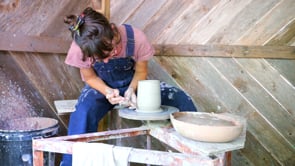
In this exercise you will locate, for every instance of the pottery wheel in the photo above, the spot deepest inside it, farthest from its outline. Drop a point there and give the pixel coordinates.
(134, 115)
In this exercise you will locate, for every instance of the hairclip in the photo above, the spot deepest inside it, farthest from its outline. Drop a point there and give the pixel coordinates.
(80, 21)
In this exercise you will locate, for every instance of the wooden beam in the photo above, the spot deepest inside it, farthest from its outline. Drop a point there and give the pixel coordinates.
(40, 44)
(106, 5)
(227, 51)
(24, 43)
(102, 6)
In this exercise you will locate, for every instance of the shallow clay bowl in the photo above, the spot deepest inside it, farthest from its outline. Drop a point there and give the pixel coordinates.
(207, 127)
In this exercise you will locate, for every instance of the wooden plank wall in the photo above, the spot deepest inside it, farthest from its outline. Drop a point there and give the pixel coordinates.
(46, 72)
(262, 90)
(44, 76)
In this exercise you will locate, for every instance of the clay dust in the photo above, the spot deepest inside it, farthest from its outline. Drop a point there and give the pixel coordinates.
(13, 103)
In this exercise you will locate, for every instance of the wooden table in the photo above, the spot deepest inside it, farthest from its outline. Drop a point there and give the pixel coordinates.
(190, 152)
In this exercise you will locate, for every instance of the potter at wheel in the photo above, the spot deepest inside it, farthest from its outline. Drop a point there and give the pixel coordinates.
(135, 115)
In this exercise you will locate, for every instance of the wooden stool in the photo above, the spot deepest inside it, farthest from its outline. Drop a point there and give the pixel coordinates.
(68, 106)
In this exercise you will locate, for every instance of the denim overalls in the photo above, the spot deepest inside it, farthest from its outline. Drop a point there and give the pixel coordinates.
(92, 106)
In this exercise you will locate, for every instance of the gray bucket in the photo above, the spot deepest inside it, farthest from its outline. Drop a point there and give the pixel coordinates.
(16, 140)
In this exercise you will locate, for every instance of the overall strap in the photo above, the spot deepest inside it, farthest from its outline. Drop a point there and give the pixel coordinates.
(130, 40)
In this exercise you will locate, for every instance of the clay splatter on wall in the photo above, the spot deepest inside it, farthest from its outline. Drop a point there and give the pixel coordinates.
(13, 103)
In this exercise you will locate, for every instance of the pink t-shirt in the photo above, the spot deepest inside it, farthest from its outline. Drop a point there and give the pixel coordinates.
(143, 50)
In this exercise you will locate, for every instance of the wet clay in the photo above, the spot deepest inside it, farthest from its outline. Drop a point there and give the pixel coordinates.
(204, 120)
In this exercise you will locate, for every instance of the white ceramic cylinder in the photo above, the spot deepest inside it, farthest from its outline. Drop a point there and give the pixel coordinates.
(149, 96)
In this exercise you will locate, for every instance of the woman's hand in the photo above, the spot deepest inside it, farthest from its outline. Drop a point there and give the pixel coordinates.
(95, 82)
(141, 70)
(113, 96)
(130, 97)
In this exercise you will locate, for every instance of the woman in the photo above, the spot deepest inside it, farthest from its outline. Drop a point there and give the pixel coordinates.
(112, 59)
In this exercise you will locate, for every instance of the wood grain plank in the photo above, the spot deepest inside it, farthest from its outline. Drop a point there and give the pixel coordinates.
(155, 71)
(239, 158)
(215, 20)
(259, 156)
(120, 11)
(229, 97)
(182, 24)
(192, 83)
(285, 37)
(280, 52)
(284, 67)
(102, 6)
(292, 42)
(49, 16)
(21, 18)
(270, 24)
(272, 81)
(145, 12)
(24, 43)
(162, 19)
(55, 27)
(244, 20)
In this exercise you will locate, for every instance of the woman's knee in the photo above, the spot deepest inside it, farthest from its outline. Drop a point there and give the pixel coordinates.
(176, 97)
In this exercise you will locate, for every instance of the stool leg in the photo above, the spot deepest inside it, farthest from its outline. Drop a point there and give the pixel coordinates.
(228, 158)
(148, 143)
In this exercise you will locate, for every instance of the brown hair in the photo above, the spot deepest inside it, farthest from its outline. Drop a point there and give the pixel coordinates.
(92, 32)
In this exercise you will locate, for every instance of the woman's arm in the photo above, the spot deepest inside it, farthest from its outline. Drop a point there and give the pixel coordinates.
(93, 80)
(141, 72)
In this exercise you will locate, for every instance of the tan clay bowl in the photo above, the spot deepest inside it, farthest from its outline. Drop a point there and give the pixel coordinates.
(207, 127)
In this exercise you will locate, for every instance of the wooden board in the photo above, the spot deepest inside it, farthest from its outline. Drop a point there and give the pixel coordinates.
(273, 82)
(182, 23)
(264, 30)
(119, 7)
(287, 35)
(163, 18)
(65, 106)
(21, 42)
(227, 51)
(255, 152)
(145, 12)
(216, 19)
(242, 21)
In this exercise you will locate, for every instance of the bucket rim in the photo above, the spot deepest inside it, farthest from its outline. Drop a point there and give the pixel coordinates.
(54, 124)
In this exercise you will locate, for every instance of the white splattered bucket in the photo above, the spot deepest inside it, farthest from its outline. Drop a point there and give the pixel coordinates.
(16, 139)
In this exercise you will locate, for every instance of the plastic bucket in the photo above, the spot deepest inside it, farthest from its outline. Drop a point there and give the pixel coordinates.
(16, 140)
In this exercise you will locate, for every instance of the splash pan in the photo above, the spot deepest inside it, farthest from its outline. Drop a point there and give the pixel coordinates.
(207, 127)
